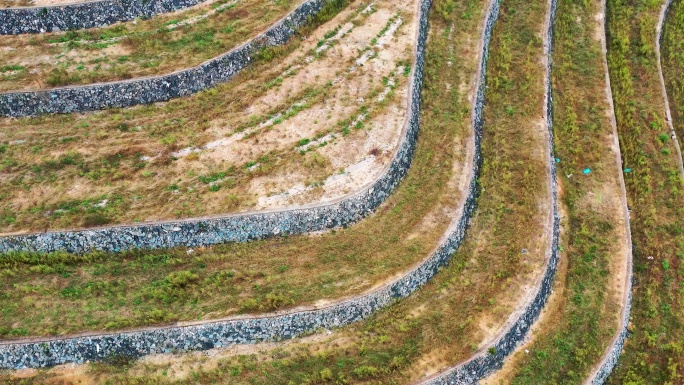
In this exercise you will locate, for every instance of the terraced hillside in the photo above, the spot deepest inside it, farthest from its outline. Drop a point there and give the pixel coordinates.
(654, 190)
(587, 309)
(271, 270)
(433, 192)
(322, 123)
(156, 46)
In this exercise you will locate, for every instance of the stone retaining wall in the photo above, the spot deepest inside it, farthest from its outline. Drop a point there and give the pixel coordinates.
(484, 363)
(158, 88)
(238, 228)
(91, 14)
(51, 351)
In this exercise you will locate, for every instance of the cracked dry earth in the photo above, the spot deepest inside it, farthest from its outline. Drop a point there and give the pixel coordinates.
(322, 123)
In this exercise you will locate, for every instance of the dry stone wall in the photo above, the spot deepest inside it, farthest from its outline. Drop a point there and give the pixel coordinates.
(240, 228)
(158, 88)
(91, 14)
(289, 325)
(55, 351)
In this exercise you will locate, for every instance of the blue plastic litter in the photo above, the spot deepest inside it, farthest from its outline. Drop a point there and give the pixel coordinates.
(557, 160)
(586, 171)
(627, 170)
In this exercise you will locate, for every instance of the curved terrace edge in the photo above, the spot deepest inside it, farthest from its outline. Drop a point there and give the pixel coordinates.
(279, 326)
(205, 231)
(605, 367)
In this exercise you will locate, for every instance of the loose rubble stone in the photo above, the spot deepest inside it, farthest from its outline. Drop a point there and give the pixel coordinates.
(99, 13)
(251, 330)
(241, 227)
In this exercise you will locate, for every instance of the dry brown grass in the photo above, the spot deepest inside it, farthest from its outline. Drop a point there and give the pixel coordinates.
(584, 313)
(252, 277)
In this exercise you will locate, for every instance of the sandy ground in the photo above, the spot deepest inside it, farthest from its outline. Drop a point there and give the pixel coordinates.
(180, 366)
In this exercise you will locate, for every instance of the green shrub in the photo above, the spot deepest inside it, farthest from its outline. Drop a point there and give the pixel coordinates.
(181, 279)
(364, 372)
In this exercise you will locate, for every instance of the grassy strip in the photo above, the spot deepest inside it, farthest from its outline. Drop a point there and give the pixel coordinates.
(443, 322)
(126, 51)
(574, 338)
(654, 351)
(46, 294)
(672, 56)
(42, 159)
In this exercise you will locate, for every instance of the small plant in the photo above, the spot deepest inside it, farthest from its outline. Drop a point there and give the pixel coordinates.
(326, 374)
(211, 178)
(303, 142)
(365, 372)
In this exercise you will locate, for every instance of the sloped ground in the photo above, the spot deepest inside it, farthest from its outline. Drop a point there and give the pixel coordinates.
(585, 313)
(318, 123)
(162, 44)
(468, 302)
(151, 288)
